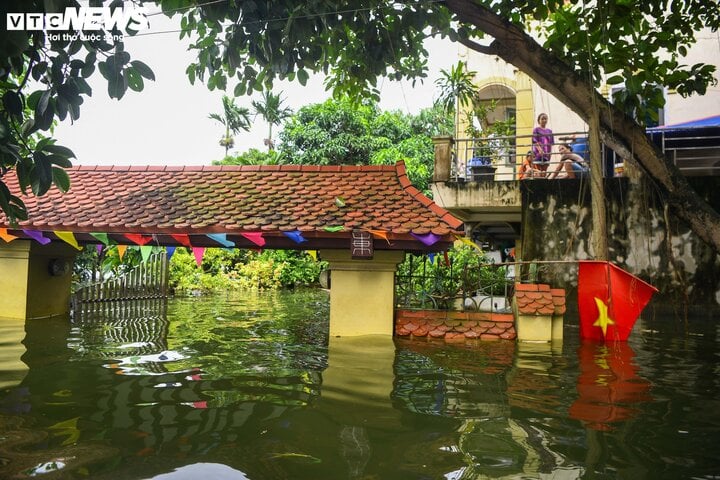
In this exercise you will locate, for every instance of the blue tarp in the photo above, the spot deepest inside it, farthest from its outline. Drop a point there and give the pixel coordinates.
(713, 121)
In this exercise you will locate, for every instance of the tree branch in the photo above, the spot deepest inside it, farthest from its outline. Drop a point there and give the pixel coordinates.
(486, 50)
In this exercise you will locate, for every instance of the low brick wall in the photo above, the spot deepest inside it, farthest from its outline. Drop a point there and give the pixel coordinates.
(454, 326)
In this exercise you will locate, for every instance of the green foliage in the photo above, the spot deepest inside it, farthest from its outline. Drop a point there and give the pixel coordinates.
(234, 118)
(272, 111)
(250, 157)
(340, 132)
(457, 87)
(233, 269)
(59, 69)
(435, 284)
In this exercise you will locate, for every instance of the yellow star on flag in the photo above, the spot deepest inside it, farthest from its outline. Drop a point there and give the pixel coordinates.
(603, 320)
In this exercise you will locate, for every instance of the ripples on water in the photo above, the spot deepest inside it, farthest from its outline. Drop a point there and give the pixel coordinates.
(250, 387)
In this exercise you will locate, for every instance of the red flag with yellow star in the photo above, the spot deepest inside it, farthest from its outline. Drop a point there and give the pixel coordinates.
(609, 301)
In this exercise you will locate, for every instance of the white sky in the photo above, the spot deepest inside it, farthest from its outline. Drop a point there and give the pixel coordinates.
(167, 123)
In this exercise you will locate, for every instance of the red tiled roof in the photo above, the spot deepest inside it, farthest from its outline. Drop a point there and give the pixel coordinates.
(534, 299)
(272, 199)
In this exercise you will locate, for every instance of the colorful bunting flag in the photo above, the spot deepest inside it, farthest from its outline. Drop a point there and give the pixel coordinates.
(468, 242)
(6, 236)
(145, 252)
(335, 228)
(199, 253)
(182, 239)
(382, 234)
(37, 236)
(255, 237)
(427, 238)
(221, 238)
(296, 236)
(103, 237)
(99, 248)
(431, 257)
(447, 259)
(169, 252)
(138, 239)
(69, 238)
(313, 254)
(609, 301)
(121, 251)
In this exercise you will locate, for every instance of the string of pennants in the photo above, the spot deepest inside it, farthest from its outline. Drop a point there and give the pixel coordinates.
(256, 238)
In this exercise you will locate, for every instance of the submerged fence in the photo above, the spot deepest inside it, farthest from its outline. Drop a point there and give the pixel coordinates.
(140, 292)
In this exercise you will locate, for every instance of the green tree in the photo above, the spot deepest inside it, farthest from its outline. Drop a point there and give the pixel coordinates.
(457, 90)
(340, 132)
(234, 118)
(251, 157)
(272, 111)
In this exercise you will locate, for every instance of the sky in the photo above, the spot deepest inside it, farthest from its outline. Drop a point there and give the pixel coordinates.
(167, 123)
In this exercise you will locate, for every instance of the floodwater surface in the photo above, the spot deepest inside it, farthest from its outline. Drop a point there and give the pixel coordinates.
(250, 387)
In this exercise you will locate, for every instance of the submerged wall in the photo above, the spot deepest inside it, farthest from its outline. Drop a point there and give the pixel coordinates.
(643, 235)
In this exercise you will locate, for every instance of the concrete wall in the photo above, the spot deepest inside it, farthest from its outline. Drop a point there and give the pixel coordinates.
(643, 238)
(29, 289)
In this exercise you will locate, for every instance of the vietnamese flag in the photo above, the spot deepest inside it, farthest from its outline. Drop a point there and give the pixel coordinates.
(609, 301)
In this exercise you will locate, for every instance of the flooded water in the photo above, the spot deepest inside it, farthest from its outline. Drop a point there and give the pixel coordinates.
(249, 387)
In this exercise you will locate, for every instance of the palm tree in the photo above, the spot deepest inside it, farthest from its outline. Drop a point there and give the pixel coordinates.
(271, 110)
(234, 118)
(456, 90)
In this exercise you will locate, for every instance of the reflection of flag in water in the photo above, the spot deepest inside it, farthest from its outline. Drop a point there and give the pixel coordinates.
(609, 300)
(608, 385)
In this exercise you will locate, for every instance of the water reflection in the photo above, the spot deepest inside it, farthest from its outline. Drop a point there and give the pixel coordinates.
(608, 385)
(252, 387)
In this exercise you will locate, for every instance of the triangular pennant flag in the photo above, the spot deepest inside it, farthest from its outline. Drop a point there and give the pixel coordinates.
(137, 238)
(221, 238)
(103, 237)
(382, 234)
(447, 259)
(199, 253)
(255, 237)
(99, 248)
(182, 239)
(6, 236)
(145, 252)
(169, 251)
(313, 254)
(336, 228)
(468, 242)
(69, 238)
(37, 236)
(427, 238)
(609, 301)
(295, 236)
(431, 256)
(121, 251)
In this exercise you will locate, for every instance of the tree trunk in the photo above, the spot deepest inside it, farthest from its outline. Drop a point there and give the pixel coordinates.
(618, 131)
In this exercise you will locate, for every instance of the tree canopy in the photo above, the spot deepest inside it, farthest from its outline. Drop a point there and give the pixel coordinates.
(246, 46)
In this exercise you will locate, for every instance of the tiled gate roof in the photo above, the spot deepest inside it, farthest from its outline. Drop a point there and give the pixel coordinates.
(272, 199)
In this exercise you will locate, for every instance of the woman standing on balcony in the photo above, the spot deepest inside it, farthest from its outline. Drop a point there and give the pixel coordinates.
(542, 140)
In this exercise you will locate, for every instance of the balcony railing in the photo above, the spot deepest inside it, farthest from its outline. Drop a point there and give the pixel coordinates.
(500, 158)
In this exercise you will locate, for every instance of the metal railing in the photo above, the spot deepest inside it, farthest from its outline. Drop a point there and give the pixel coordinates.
(500, 157)
(139, 292)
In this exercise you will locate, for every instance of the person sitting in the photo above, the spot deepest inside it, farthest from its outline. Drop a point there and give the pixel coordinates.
(527, 168)
(571, 165)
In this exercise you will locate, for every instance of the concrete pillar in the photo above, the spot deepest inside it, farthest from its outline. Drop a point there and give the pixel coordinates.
(443, 158)
(524, 108)
(362, 292)
(35, 279)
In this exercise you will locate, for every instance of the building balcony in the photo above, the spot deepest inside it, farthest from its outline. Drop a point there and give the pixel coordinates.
(478, 179)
